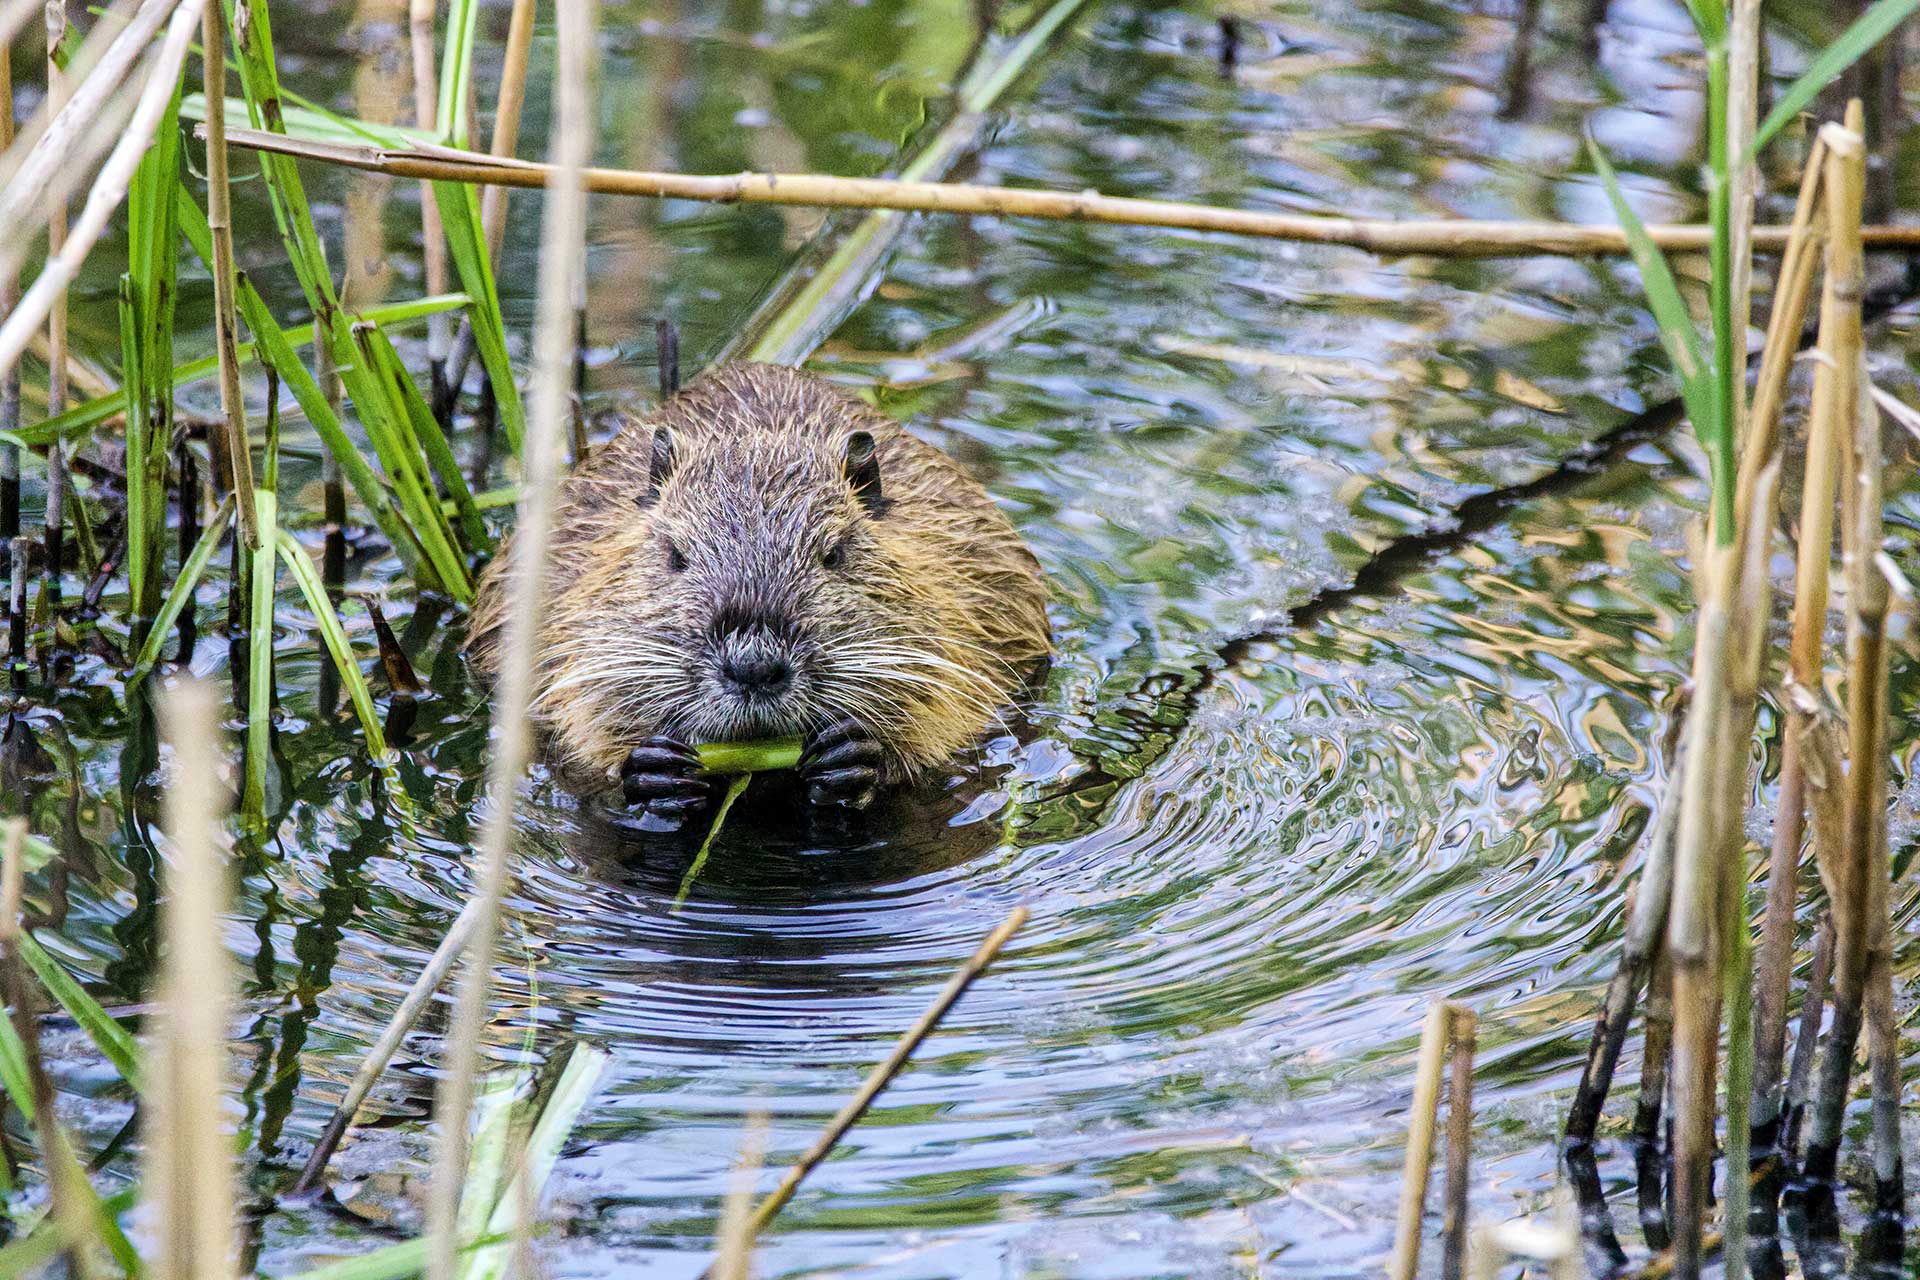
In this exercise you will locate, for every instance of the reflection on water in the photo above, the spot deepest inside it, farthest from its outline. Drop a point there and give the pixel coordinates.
(1251, 863)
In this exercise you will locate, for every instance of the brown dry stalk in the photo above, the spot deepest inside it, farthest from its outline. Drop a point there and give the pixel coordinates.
(57, 94)
(562, 259)
(1849, 869)
(883, 1073)
(188, 1162)
(233, 401)
(1422, 1117)
(109, 187)
(506, 118)
(1774, 962)
(420, 14)
(1462, 237)
(1453, 1231)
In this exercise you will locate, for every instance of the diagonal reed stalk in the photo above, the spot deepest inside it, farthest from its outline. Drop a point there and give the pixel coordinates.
(109, 187)
(562, 259)
(188, 1162)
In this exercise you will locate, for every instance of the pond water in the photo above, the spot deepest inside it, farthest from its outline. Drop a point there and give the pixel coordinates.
(1255, 845)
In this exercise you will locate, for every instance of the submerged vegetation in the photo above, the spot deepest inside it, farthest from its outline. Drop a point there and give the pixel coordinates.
(411, 456)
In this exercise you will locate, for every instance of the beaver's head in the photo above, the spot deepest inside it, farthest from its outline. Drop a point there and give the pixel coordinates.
(765, 592)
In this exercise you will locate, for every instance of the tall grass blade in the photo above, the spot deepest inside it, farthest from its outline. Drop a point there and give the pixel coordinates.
(1678, 334)
(109, 1037)
(425, 435)
(307, 576)
(181, 592)
(1868, 30)
(260, 657)
(466, 242)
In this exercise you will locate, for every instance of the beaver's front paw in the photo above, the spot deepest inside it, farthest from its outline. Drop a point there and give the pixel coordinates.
(662, 776)
(840, 764)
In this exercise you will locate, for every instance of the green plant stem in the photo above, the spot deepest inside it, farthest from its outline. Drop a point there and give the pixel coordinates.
(1721, 446)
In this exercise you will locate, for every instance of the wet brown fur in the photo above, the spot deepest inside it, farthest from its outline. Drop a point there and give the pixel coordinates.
(923, 636)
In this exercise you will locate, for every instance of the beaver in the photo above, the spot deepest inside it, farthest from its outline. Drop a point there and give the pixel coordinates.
(764, 556)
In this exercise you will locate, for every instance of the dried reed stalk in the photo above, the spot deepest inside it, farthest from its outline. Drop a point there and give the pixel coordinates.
(433, 242)
(188, 1164)
(375, 1062)
(56, 508)
(109, 188)
(881, 1075)
(1465, 237)
(1812, 1012)
(66, 1181)
(56, 140)
(1774, 964)
(1646, 929)
(233, 403)
(1421, 1121)
(1453, 1232)
(1709, 872)
(1847, 869)
(9, 299)
(562, 259)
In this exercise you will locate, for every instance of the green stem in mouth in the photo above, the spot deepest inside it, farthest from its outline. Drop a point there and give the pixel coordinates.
(765, 756)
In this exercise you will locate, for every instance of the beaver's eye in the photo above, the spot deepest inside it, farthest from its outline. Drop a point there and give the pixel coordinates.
(835, 556)
(676, 559)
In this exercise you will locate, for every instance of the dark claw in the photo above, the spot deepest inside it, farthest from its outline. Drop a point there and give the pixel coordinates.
(840, 764)
(662, 776)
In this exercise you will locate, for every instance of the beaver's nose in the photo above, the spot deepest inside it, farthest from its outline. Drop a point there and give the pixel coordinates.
(757, 672)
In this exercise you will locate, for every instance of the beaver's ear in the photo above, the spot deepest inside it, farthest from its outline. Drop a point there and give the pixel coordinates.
(863, 472)
(659, 465)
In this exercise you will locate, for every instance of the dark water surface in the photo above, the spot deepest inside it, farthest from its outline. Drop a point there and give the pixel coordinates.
(1248, 878)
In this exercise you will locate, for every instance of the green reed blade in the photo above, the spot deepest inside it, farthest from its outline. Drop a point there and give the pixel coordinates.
(575, 1088)
(390, 432)
(151, 289)
(13, 1072)
(800, 313)
(425, 434)
(1868, 30)
(76, 421)
(1678, 333)
(456, 71)
(394, 1262)
(115, 1043)
(736, 785)
(460, 222)
(334, 635)
(184, 585)
(487, 1153)
(141, 537)
(305, 118)
(260, 655)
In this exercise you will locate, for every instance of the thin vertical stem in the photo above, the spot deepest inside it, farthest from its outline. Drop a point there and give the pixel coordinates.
(420, 14)
(1453, 1258)
(56, 317)
(1418, 1169)
(1807, 1040)
(233, 407)
(561, 267)
(9, 299)
(506, 119)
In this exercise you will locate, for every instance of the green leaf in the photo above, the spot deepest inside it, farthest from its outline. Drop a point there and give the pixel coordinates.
(260, 654)
(460, 221)
(13, 1071)
(1869, 29)
(334, 635)
(1678, 333)
(112, 1039)
(181, 592)
(424, 434)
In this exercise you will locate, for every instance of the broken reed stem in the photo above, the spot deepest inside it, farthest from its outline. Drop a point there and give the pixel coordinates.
(57, 139)
(433, 243)
(1864, 786)
(1464, 237)
(109, 187)
(1810, 597)
(66, 1187)
(882, 1074)
(233, 404)
(1421, 1117)
(189, 1175)
(734, 1237)
(562, 262)
(56, 507)
(1807, 1039)
(376, 1060)
(9, 298)
(1646, 926)
(1453, 1231)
